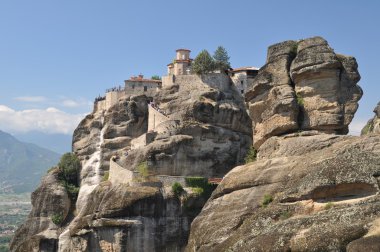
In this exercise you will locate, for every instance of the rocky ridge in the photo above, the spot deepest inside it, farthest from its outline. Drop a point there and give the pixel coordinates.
(373, 125)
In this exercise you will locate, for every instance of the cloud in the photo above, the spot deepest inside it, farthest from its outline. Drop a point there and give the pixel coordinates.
(50, 120)
(70, 103)
(31, 98)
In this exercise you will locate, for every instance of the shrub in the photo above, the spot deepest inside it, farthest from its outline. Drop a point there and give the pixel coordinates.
(68, 169)
(177, 189)
(267, 199)
(300, 100)
(196, 181)
(251, 155)
(156, 77)
(106, 176)
(329, 205)
(142, 168)
(293, 50)
(57, 219)
(197, 190)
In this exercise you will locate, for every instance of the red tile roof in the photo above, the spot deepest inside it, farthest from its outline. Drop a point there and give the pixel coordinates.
(244, 69)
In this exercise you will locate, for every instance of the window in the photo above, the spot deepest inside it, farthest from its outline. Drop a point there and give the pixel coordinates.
(145, 88)
(242, 82)
(242, 91)
(133, 86)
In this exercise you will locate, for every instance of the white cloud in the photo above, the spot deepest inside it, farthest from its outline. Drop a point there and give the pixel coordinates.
(50, 120)
(70, 103)
(31, 98)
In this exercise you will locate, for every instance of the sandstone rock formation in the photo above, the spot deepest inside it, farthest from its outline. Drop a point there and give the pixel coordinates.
(306, 192)
(304, 85)
(373, 125)
(39, 233)
(207, 132)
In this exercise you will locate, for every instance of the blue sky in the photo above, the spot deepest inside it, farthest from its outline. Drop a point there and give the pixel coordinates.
(57, 56)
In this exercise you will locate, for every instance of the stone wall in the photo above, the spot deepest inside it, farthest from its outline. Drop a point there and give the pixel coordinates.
(155, 118)
(113, 97)
(167, 126)
(120, 175)
(143, 140)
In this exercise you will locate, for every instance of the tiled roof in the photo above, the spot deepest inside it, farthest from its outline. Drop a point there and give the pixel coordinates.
(182, 49)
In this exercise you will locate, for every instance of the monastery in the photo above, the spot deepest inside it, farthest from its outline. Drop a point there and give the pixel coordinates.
(179, 69)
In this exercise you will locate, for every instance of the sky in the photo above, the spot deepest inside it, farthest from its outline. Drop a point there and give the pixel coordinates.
(57, 56)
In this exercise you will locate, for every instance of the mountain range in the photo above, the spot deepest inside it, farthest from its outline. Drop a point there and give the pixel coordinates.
(22, 164)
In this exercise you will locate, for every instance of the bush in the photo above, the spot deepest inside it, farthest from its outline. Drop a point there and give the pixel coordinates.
(300, 100)
(177, 189)
(156, 77)
(68, 170)
(57, 219)
(197, 190)
(69, 167)
(266, 200)
(196, 182)
(251, 155)
(285, 215)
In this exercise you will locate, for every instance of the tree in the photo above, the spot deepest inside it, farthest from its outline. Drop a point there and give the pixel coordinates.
(69, 168)
(203, 63)
(221, 59)
(156, 77)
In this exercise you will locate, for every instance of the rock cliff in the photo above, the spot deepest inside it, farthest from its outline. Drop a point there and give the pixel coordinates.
(311, 187)
(373, 125)
(203, 131)
(304, 85)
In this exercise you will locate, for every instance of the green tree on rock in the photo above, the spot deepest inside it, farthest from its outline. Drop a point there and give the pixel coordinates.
(221, 58)
(203, 63)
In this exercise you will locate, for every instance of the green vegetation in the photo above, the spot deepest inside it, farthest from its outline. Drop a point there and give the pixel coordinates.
(106, 176)
(300, 100)
(57, 219)
(293, 50)
(267, 199)
(156, 77)
(142, 168)
(251, 155)
(177, 189)
(285, 215)
(329, 205)
(203, 63)
(68, 169)
(200, 186)
(221, 59)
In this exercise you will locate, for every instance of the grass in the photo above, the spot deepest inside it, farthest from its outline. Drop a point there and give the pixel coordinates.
(197, 190)
(267, 199)
(285, 215)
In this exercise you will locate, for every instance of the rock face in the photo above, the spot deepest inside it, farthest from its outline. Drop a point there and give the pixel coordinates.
(373, 125)
(39, 232)
(206, 133)
(303, 86)
(310, 192)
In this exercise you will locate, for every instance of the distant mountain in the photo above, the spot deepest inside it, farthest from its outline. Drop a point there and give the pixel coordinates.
(59, 143)
(22, 164)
